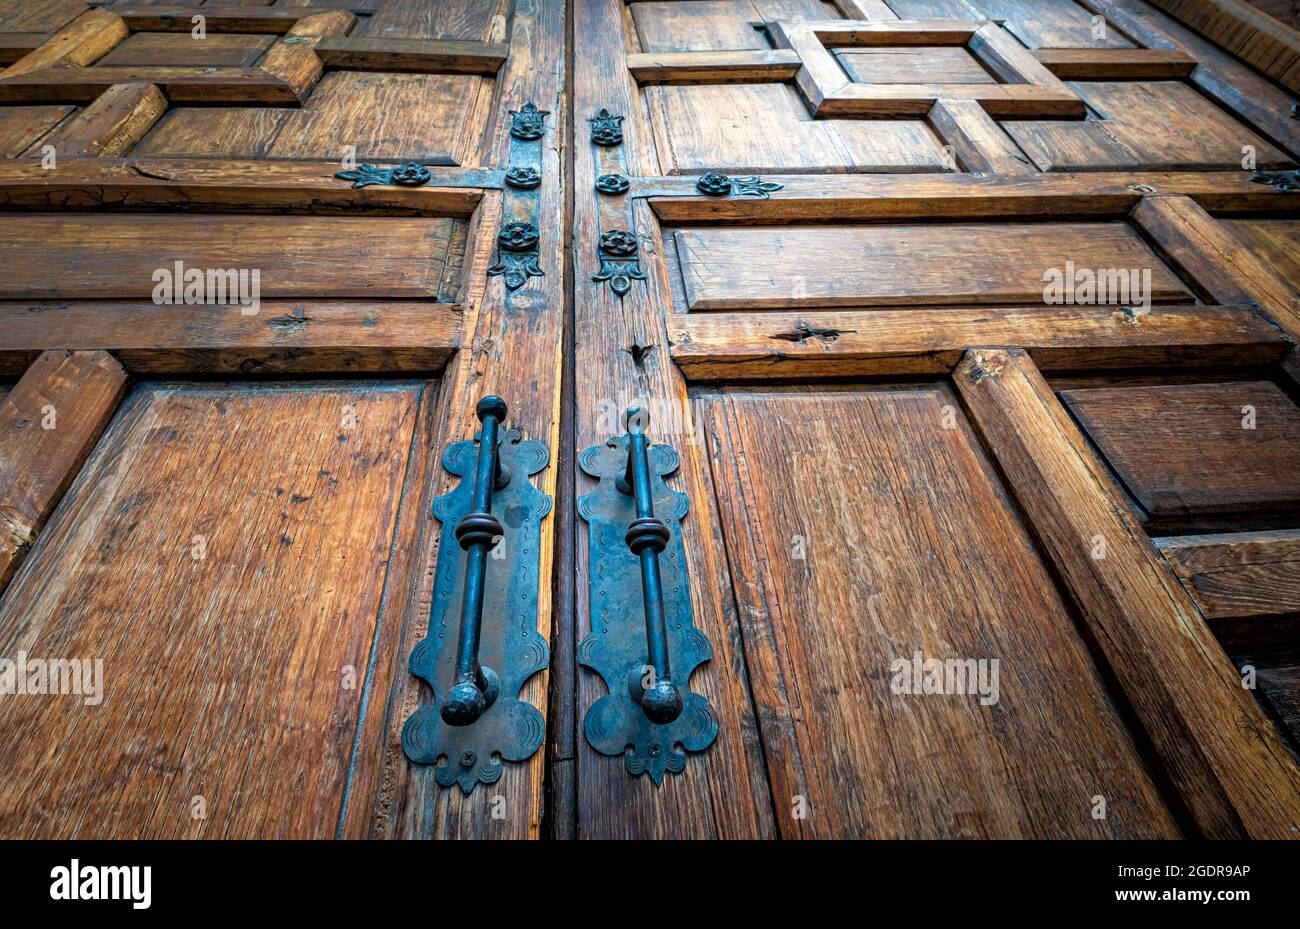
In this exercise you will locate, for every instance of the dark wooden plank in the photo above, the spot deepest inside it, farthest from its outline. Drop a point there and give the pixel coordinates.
(1098, 64)
(1253, 36)
(1220, 751)
(163, 49)
(48, 423)
(1238, 573)
(181, 84)
(200, 581)
(745, 66)
(415, 55)
(1191, 449)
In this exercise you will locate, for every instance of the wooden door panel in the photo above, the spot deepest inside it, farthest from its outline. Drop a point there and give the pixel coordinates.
(861, 533)
(765, 128)
(1195, 134)
(1036, 23)
(1195, 449)
(74, 255)
(737, 269)
(224, 551)
(1276, 242)
(715, 25)
(23, 127)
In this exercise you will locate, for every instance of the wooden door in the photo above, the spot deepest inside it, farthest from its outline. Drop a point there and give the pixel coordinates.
(228, 504)
(900, 448)
(971, 324)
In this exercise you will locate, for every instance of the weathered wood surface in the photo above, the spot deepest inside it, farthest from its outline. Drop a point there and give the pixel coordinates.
(1238, 573)
(780, 345)
(865, 531)
(283, 337)
(808, 266)
(234, 650)
(1190, 449)
(1252, 35)
(1224, 757)
(48, 423)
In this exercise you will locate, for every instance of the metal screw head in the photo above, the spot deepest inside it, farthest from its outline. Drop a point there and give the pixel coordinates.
(467, 760)
(517, 237)
(714, 185)
(523, 178)
(612, 184)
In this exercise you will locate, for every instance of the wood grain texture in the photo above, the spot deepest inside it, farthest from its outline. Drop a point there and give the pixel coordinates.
(805, 266)
(85, 256)
(716, 25)
(1190, 449)
(112, 125)
(24, 127)
(1192, 134)
(309, 337)
(961, 196)
(1094, 64)
(1036, 23)
(243, 186)
(908, 342)
(1275, 242)
(296, 517)
(1250, 34)
(907, 546)
(48, 423)
(1255, 99)
(776, 65)
(1238, 573)
(188, 84)
(162, 49)
(77, 44)
(418, 55)
(46, 16)
(1221, 266)
(978, 142)
(620, 358)
(765, 128)
(512, 347)
(935, 65)
(1223, 755)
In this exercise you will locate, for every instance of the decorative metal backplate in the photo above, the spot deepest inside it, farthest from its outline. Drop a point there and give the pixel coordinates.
(620, 261)
(723, 185)
(518, 255)
(1285, 181)
(616, 648)
(414, 174)
(510, 728)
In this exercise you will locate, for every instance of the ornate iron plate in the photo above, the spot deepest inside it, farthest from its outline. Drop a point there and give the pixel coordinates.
(510, 728)
(616, 648)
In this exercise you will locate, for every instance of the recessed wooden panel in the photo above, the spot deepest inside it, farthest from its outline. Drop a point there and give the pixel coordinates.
(860, 532)
(1144, 125)
(392, 117)
(21, 127)
(1238, 573)
(758, 128)
(1036, 23)
(714, 25)
(1188, 449)
(936, 65)
(420, 19)
(235, 677)
(76, 255)
(1275, 241)
(154, 49)
(739, 269)
(38, 15)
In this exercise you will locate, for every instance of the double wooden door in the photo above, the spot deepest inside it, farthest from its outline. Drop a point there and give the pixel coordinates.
(970, 324)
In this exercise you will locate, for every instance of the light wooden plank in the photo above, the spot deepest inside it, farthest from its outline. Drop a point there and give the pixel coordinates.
(48, 424)
(728, 268)
(76, 45)
(1099, 64)
(931, 341)
(92, 256)
(113, 124)
(284, 337)
(413, 55)
(977, 140)
(745, 66)
(1217, 747)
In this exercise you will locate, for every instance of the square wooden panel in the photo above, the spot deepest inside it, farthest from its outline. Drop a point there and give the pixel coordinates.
(1192, 449)
(716, 25)
(1026, 87)
(944, 65)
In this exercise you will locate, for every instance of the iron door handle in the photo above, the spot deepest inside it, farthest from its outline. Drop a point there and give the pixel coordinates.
(647, 536)
(477, 686)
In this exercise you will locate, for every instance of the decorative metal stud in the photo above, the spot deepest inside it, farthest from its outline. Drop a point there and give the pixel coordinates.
(517, 255)
(606, 128)
(409, 174)
(612, 184)
(721, 185)
(619, 262)
(525, 178)
(526, 124)
(1284, 181)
